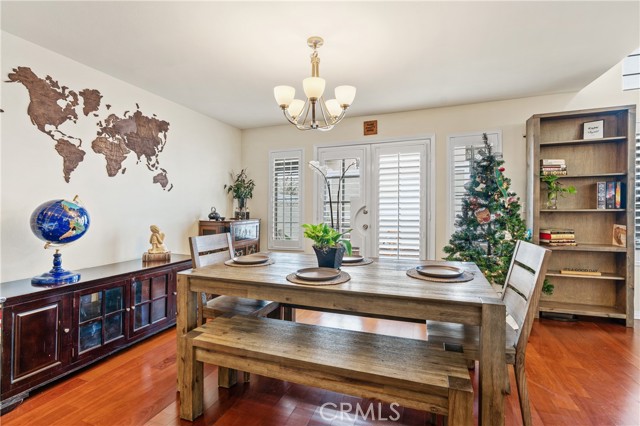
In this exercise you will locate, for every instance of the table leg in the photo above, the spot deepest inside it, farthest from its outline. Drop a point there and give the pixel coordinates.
(186, 321)
(492, 365)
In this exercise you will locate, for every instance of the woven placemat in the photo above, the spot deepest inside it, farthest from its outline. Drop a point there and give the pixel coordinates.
(342, 278)
(230, 262)
(365, 261)
(466, 276)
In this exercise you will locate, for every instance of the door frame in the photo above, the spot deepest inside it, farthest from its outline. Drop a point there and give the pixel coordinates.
(430, 187)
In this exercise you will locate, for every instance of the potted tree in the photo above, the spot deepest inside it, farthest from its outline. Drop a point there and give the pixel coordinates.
(328, 244)
(555, 188)
(241, 189)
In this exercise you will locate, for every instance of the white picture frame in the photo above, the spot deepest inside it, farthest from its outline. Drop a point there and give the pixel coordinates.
(593, 130)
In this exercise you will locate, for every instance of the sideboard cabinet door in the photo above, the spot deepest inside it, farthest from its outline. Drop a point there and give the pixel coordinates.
(38, 336)
(152, 302)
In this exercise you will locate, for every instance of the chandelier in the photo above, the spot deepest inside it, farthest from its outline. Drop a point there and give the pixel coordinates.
(314, 113)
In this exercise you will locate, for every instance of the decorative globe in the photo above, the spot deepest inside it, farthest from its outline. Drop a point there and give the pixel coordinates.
(58, 222)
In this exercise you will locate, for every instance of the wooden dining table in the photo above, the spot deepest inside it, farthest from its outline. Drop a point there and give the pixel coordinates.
(380, 289)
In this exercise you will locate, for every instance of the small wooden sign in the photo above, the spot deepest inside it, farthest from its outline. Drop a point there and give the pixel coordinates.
(371, 127)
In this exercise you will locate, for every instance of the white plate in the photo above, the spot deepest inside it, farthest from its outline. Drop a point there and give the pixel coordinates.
(352, 259)
(317, 274)
(251, 259)
(440, 271)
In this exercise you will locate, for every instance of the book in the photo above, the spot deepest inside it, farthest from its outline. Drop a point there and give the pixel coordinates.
(553, 173)
(620, 196)
(552, 162)
(564, 240)
(557, 231)
(619, 235)
(548, 236)
(560, 244)
(576, 271)
(601, 195)
(610, 197)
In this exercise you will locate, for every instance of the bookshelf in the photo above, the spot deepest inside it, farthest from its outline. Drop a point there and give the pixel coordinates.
(608, 158)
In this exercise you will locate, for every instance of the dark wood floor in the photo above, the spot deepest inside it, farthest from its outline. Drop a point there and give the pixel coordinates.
(580, 373)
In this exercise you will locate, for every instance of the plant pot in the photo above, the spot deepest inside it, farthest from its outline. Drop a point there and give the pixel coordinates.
(330, 257)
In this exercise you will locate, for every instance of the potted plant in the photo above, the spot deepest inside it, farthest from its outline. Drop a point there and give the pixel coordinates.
(328, 244)
(241, 189)
(555, 188)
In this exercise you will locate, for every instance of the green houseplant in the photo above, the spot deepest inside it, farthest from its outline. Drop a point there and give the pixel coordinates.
(555, 188)
(328, 244)
(241, 189)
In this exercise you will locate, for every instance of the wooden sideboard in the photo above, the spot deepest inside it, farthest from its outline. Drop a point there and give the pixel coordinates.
(244, 233)
(48, 332)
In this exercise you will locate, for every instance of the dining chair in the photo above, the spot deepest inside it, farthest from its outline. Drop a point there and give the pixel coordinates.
(216, 248)
(520, 295)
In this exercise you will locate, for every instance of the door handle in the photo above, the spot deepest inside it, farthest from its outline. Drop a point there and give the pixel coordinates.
(365, 226)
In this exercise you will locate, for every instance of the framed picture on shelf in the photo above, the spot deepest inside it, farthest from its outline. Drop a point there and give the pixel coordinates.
(593, 130)
(619, 235)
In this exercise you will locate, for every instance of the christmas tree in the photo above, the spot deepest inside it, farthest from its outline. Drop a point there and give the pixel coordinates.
(490, 222)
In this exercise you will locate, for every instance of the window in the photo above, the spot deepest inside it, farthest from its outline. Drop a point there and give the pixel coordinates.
(285, 187)
(346, 188)
(631, 71)
(461, 151)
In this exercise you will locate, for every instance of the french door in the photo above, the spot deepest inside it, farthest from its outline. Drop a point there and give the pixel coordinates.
(383, 196)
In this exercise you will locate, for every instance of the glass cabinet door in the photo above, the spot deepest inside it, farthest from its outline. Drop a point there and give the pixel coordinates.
(100, 318)
(150, 297)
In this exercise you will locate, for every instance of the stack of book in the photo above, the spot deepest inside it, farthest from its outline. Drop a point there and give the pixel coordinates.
(558, 237)
(549, 166)
(610, 195)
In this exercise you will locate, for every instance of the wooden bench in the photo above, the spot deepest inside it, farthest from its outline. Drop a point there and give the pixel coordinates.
(392, 369)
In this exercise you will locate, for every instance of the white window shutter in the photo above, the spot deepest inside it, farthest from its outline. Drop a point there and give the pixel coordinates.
(285, 214)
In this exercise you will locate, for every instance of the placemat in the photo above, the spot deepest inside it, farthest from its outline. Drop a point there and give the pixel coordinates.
(364, 261)
(342, 278)
(466, 276)
(230, 262)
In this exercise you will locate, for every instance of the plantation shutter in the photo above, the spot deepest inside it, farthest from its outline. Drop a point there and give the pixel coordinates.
(399, 185)
(349, 187)
(286, 200)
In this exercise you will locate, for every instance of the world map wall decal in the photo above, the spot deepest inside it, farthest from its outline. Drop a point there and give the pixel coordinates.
(118, 136)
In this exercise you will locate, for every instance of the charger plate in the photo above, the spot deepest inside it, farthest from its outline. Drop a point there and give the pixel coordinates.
(342, 277)
(251, 259)
(439, 271)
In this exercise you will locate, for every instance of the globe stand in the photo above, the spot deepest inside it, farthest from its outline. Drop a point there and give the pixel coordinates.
(56, 275)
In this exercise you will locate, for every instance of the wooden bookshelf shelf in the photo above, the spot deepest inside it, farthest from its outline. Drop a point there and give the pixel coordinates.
(588, 161)
(588, 247)
(582, 309)
(586, 141)
(582, 210)
(604, 276)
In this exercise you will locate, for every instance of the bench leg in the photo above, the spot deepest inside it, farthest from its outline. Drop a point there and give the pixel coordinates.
(460, 408)
(192, 387)
(523, 393)
(227, 377)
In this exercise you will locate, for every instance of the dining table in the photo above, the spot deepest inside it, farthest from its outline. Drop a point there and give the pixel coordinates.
(381, 288)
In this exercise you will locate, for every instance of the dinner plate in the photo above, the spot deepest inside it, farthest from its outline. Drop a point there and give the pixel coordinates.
(352, 259)
(317, 274)
(251, 259)
(440, 271)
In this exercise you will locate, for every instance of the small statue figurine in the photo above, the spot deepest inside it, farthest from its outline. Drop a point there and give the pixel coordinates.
(157, 240)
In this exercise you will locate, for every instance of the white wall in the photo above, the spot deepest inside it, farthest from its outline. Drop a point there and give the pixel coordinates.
(199, 154)
(509, 116)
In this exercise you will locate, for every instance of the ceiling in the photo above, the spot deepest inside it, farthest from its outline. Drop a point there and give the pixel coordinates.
(224, 58)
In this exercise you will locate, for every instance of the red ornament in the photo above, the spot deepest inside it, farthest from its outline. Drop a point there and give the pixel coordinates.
(501, 169)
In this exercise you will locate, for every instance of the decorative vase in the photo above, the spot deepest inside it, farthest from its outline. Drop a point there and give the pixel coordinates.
(242, 212)
(552, 200)
(330, 257)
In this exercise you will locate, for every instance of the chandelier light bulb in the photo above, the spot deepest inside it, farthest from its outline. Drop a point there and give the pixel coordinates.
(295, 108)
(333, 107)
(284, 95)
(313, 87)
(345, 95)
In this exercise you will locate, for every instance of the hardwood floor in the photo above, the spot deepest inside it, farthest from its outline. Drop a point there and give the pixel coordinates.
(580, 373)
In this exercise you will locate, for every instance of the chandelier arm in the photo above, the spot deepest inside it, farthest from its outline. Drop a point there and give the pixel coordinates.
(323, 108)
(288, 116)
